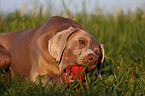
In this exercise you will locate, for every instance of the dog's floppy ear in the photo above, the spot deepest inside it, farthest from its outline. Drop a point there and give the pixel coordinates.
(101, 58)
(57, 43)
(103, 52)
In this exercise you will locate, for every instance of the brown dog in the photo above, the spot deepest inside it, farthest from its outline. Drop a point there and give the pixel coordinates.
(49, 49)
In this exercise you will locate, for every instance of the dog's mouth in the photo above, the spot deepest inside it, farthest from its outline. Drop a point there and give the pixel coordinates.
(72, 73)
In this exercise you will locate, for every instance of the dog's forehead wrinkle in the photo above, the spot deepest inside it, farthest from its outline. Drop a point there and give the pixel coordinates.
(82, 33)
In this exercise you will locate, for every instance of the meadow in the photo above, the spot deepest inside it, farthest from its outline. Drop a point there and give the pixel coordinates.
(123, 72)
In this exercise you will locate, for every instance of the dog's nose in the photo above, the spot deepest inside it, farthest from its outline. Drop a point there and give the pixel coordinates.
(91, 59)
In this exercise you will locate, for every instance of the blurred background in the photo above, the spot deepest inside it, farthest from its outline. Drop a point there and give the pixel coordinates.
(74, 7)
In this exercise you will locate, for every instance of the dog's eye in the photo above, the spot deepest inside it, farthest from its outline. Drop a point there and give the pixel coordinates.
(82, 42)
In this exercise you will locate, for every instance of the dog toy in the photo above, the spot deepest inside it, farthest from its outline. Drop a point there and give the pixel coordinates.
(76, 71)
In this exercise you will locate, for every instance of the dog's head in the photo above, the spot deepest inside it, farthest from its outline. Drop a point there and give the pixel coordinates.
(75, 47)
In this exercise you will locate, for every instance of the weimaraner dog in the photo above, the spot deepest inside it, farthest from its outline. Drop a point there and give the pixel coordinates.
(49, 49)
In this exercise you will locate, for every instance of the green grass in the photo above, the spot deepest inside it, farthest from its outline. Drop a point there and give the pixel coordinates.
(123, 71)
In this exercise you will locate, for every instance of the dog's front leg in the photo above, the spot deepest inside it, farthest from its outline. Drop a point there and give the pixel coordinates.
(45, 72)
(45, 79)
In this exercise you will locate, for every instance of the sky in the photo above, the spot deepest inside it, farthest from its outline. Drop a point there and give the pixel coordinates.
(75, 6)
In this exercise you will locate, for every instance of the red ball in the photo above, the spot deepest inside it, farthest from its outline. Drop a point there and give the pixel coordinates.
(76, 70)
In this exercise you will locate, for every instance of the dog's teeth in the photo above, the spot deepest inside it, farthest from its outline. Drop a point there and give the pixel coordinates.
(71, 80)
